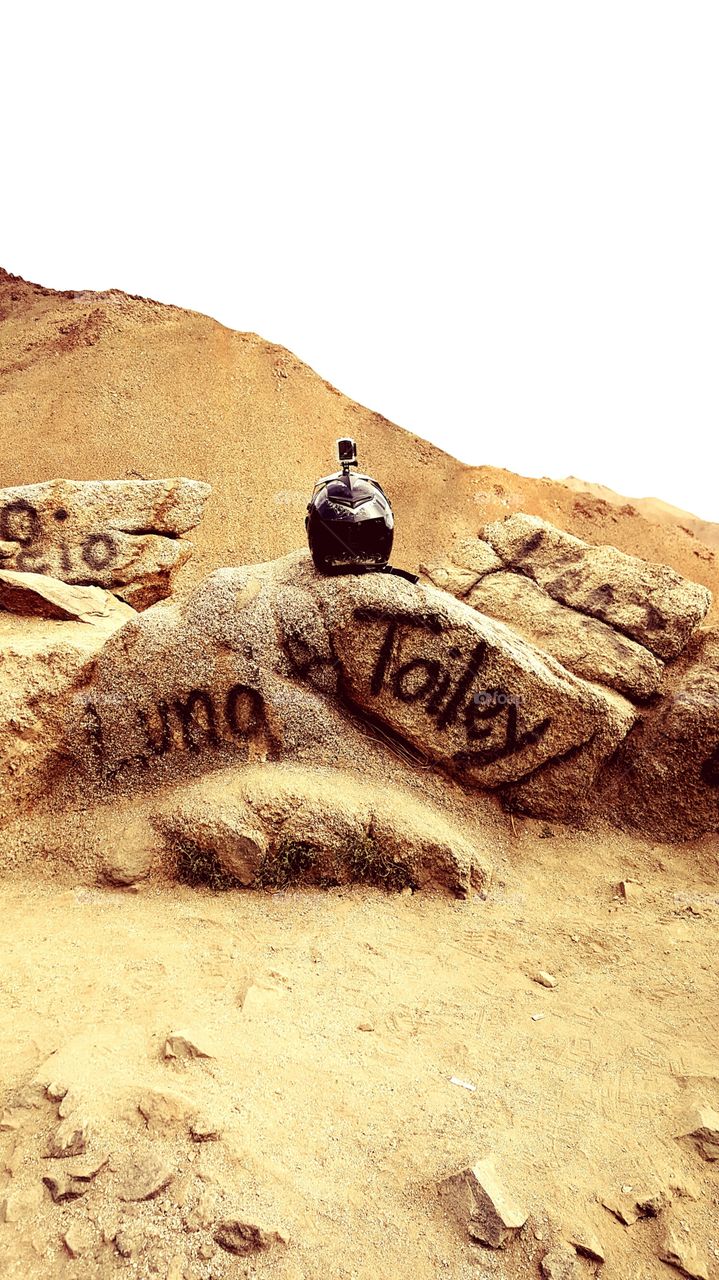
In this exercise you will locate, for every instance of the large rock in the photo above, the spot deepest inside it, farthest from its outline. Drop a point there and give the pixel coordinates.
(273, 661)
(278, 825)
(665, 779)
(468, 692)
(37, 595)
(42, 666)
(649, 602)
(119, 534)
(584, 645)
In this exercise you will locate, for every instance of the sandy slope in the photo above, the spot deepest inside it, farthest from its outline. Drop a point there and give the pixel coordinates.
(103, 385)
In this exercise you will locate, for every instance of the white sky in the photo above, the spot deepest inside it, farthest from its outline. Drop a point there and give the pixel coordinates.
(496, 223)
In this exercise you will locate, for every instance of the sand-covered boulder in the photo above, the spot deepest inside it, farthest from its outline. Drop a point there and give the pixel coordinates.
(468, 692)
(121, 534)
(276, 825)
(665, 780)
(649, 602)
(267, 662)
(584, 645)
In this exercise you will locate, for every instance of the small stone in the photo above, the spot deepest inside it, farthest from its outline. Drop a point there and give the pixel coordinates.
(244, 1237)
(678, 1250)
(187, 1044)
(70, 1138)
(561, 1263)
(77, 1239)
(88, 1168)
(651, 1203)
(204, 1129)
(701, 1125)
(129, 857)
(12, 1119)
(62, 1187)
(623, 1207)
(56, 1092)
(479, 1200)
(127, 1242)
(365, 1026)
(165, 1108)
(586, 1243)
(206, 1250)
(537, 1017)
(685, 1188)
(145, 1179)
(629, 890)
(21, 1204)
(192, 1221)
(545, 979)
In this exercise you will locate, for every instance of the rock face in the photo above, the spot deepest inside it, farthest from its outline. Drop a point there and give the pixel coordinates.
(119, 534)
(35, 595)
(262, 661)
(469, 693)
(480, 1201)
(648, 602)
(665, 779)
(584, 645)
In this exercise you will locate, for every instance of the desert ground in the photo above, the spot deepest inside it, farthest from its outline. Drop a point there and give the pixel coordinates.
(278, 1082)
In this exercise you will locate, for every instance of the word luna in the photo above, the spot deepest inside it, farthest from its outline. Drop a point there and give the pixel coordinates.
(198, 721)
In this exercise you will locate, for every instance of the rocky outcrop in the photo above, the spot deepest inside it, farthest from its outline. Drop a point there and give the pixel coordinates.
(277, 826)
(120, 534)
(651, 603)
(665, 779)
(584, 645)
(268, 662)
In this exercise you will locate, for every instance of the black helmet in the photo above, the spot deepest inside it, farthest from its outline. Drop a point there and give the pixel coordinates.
(349, 521)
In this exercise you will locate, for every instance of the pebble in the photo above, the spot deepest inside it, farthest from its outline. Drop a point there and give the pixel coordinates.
(77, 1239)
(187, 1044)
(545, 979)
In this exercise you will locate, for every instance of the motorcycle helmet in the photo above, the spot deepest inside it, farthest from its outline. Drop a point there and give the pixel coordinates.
(349, 522)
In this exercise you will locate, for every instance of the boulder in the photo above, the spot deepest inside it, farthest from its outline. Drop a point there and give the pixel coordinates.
(478, 1199)
(41, 668)
(315, 826)
(275, 662)
(651, 603)
(665, 779)
(37, 595)
(468, 692)
(584, 645)
(119, 534)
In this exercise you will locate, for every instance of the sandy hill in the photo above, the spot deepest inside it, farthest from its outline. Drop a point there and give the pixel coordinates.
(106, 385)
